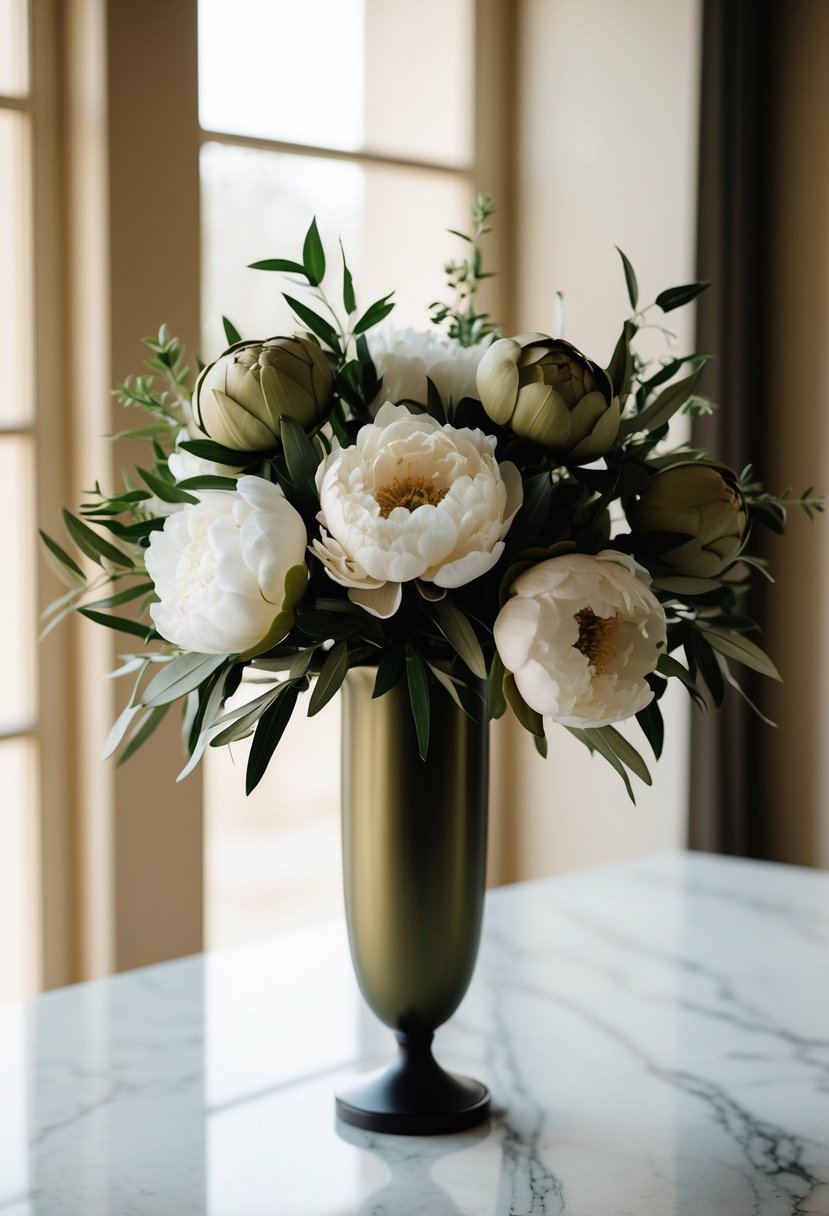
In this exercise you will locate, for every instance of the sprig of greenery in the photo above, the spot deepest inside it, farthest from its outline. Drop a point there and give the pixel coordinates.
(168, 401)
(463, 319)
(772, 509)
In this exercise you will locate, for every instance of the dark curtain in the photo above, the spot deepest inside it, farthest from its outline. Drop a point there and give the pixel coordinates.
(735, 119)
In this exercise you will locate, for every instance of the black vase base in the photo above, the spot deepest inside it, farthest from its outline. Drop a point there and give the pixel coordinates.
(414, 1097)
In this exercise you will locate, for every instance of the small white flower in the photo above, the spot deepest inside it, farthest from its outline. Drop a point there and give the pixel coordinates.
(229, 570)
(412, 500)
(405, 357)
(580, 634)
(184, 465)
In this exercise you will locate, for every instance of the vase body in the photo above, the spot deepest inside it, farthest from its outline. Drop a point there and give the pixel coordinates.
(414, 866)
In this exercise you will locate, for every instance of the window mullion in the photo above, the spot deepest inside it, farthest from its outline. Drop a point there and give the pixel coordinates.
(363, 157)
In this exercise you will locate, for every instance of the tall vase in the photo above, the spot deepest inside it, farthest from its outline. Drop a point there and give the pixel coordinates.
(414, 862)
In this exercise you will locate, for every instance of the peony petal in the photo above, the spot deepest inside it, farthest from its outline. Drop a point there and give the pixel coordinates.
(380, 601)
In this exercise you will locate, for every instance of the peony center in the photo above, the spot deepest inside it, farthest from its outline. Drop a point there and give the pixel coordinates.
(595, 640)
(408, 492)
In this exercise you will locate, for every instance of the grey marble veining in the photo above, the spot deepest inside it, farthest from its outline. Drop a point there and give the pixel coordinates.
(655, 1036)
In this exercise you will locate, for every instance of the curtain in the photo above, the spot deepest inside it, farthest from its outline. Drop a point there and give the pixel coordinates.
(763, 239)
(732, 239)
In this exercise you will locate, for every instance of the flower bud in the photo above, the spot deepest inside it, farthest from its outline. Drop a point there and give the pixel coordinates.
(239, 400)
(701, 501)
(548, 393)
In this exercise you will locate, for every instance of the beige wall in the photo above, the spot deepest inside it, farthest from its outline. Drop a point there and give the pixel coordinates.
(796, 769)
(606, 155)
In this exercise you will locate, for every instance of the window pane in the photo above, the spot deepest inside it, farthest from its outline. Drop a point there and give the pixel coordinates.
(16, 263)
(14, 48)
(388, 76)
(273, 859)
(18, 623)
(18, 834)
(258, 205)
(283, 70)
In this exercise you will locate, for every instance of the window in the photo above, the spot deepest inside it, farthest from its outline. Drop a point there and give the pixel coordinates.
(18, 687)
(309, 109)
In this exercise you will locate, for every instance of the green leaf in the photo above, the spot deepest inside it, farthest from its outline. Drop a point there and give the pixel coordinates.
(653, 726)
(123, 597)
(119, 729)
(313, 255)
(181, 675)
(740, 648)
(167, 491)
(300, 663)
(301, 457)
(142, 731)
(117, 622)
(685, 585)
(541, 747)
(662, 409)
(332, 673)
(418, 698)
(283, 265)
(738, 688)
(446, 681)
(675, 297)
(389, 671)
(671, 667)
(593, 740)
(630, 280)
(496, 702)
(705, 659)
(349, 300)
(64, 560)
(317, 324)
(269, 731)
(460, 635)
(206, 449)
(620, 368)
(157, 430)
(533, 513)
(528, 717)
(207, 481)
(93, 545)
(238, 723)
(374, 315)
(626, 752)
(231, 332)
(204, 725)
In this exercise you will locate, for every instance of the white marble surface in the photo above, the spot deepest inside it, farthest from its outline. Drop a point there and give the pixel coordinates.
(655, 1035)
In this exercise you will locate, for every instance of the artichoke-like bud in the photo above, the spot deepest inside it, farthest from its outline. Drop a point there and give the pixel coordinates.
(239, 400)
(547, 392)
(702, 501)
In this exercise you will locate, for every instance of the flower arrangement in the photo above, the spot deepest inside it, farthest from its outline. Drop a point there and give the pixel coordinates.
(499, 520)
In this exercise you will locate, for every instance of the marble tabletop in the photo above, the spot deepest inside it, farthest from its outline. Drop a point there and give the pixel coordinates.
(655, 1035)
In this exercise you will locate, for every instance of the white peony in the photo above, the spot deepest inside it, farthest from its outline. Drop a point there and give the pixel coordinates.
(229, 570)
(580, 634)
(405, 357)
(412, 499)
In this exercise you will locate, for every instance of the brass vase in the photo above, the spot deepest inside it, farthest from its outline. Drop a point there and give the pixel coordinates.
(414, 863)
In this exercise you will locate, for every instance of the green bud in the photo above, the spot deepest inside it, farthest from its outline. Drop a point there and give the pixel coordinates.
(701, 501)
(548, 393)
(239, 400)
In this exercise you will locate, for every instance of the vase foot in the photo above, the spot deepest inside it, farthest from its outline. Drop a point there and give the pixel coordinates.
(414, 1096)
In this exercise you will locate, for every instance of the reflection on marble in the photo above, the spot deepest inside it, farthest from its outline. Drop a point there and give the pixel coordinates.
(655, 1036)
